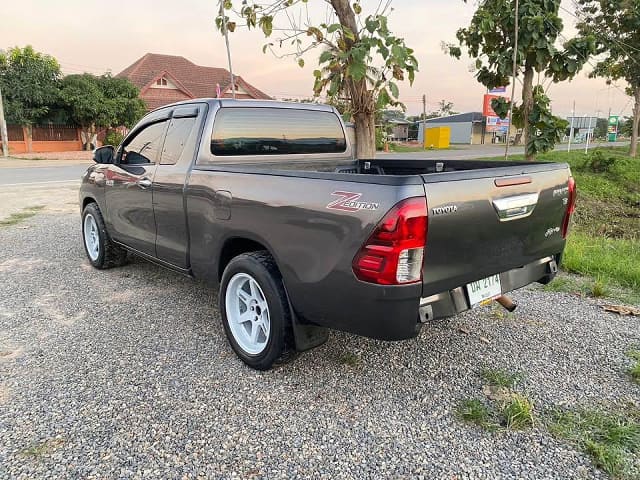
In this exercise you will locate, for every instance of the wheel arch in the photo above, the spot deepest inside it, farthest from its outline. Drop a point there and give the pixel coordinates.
(237, 245)
(87, 200)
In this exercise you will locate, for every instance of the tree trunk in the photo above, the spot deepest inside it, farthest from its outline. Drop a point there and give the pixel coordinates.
(365, 136)
(527, 106)
(633, 151)
(363, 103)
(27, 133)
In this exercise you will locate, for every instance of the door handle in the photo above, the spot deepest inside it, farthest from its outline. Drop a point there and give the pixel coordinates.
(144, 183)
(512, 208)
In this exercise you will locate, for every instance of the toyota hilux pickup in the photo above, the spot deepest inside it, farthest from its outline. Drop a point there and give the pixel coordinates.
(266, 201)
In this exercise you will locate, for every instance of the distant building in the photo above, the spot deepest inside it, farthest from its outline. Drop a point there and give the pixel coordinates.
(165, 79)
(466, 128)
(399, 130)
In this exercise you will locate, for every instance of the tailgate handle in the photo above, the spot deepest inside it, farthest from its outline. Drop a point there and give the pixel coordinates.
(512, 208)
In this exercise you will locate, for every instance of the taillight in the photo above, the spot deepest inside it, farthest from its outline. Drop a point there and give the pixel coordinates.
(394, 252)
(571, 207)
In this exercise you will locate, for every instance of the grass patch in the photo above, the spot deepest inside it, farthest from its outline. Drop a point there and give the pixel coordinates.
(586, 286)
(350, 359)
(500, 378)
(475, 411)
(634, 371)
(394, 147)
(42, 448)
(16, 218)
(518, 414)
(608, 259)
(611, 439)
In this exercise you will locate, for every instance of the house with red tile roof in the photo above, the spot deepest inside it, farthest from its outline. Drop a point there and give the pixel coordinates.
(165, 79)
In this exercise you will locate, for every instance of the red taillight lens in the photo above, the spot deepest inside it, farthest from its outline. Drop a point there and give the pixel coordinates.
(394, 252)
(571, 207)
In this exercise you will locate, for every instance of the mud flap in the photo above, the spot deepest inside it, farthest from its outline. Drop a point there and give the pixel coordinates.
(305, 335)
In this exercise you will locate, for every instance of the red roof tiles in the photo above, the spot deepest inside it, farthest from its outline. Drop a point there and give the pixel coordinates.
(192, 81)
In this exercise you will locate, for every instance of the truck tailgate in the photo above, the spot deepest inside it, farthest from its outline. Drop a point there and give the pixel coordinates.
(491, 221)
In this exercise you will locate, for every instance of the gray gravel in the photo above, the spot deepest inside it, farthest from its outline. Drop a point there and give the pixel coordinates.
(126, 373)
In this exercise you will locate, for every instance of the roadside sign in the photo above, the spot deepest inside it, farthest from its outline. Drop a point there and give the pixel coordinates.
(498, 90)
(497, 124)
(612, 129)
(487, 110)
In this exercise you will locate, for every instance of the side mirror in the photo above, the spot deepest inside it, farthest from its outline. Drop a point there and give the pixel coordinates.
(104, 154)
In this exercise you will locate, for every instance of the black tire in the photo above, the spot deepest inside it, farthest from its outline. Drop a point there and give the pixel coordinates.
(262, 268)
(109, 254)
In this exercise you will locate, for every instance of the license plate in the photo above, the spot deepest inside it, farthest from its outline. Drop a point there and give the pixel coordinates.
(484, 290)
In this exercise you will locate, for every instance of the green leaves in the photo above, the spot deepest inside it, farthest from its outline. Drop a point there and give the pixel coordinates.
(266, 24)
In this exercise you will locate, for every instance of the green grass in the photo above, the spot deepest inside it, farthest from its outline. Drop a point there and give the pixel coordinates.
(500, 378)
(42, 448)
(611, 439)
(586, 286)
(350, 359)
(16, 218)
(634, 371)
(475, 411)
(608, 259)
(518, 414)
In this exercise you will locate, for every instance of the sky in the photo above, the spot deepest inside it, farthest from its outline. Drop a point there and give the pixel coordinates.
(108, 36)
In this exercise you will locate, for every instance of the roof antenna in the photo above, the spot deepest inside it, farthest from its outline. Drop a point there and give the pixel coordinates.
(226, 39)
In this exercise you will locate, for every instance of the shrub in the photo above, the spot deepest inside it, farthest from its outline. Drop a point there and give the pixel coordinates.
(113, 137)
(599, 162)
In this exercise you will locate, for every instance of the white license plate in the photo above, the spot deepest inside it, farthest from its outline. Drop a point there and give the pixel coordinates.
(484, 290)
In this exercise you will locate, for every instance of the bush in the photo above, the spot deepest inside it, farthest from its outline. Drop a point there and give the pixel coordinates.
(113, 137)
(380, 138)
(599, 162)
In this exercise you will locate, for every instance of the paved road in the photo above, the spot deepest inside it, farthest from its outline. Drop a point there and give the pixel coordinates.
(41, 175)
(71, 173)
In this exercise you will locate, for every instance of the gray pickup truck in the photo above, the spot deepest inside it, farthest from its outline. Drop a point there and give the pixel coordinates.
(266, 200)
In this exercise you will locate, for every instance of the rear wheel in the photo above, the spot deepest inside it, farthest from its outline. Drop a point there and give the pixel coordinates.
(255, 311)
(98, 246)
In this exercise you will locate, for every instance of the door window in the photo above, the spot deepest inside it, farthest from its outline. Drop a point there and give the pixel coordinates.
(145, 146)
(181, 138)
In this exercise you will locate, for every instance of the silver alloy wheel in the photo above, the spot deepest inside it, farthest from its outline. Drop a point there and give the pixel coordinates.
(247, 313)
(91, 237)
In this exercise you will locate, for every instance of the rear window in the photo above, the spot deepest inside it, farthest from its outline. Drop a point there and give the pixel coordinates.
(276, 131)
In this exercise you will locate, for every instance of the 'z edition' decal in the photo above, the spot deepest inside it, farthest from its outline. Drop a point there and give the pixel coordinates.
(349, 202)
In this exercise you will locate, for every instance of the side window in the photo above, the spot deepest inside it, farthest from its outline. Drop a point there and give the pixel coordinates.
(276, 131)
(145, 146)
(181, 137)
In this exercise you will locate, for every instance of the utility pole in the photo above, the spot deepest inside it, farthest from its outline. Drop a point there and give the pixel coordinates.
(3, 130)
(424, 118)
(513, 80)
(573, 114)
(226, 39)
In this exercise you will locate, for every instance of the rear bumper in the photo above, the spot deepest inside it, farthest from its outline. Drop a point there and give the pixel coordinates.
(398, 312)
(452, 302)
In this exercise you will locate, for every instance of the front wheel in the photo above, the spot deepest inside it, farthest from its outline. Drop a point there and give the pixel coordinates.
(255, 311)
(98, 246)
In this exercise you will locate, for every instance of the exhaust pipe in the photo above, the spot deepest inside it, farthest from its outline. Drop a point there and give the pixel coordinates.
(507, 303)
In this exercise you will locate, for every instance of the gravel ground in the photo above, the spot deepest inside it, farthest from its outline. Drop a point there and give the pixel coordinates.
(126, 373)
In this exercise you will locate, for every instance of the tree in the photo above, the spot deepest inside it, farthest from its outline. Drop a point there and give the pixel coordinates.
(445, 108)
(490, 39)
(360, 59)
(100, 102)
(600, 131)
(616, 26)
(29, 82)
